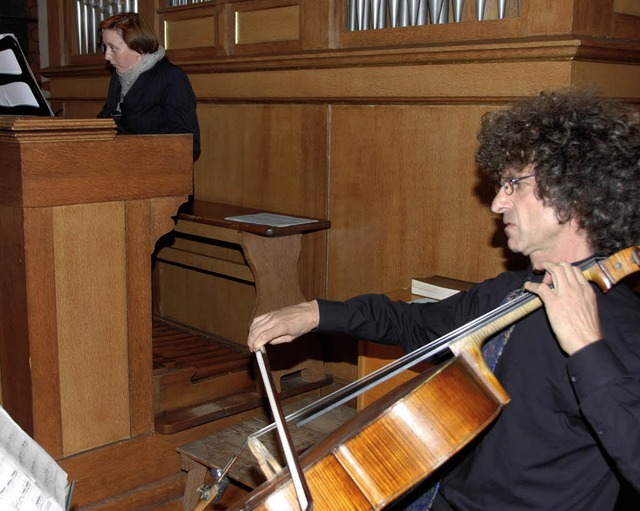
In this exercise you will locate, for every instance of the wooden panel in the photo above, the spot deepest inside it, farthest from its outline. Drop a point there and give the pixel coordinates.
(627, 7)
(317, 20)
(146, 221)
(56, 182)
(205, 263)
(14, 327)
(266, 25)
(400, 210)
(615, 80)
(80, 109)
(93, 87)
(264, 156)
(89, 248)
(190, 33)
(206, 302)
(43, 329)
(438, 81)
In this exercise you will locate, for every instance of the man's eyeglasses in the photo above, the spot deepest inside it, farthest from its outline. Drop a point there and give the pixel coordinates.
(509, 185)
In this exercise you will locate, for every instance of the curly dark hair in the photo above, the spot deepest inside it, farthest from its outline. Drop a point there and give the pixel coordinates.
(585, 152)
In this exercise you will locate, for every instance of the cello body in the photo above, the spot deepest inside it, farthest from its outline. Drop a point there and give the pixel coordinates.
(389, 447)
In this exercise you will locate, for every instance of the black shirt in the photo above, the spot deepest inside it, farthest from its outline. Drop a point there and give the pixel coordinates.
(572, 428)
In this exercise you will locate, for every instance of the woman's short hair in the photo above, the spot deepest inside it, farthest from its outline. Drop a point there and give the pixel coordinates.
(134, 30)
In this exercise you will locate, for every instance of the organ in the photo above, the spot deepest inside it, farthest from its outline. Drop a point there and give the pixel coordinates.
(86, 369)
(80, 213)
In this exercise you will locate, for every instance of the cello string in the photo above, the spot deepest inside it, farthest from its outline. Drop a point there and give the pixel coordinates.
(422, 354)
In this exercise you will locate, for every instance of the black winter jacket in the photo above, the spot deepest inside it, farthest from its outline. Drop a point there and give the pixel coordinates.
(160, 101)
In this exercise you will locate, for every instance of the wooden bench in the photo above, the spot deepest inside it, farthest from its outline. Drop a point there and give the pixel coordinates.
(271, 251)
(213, 239)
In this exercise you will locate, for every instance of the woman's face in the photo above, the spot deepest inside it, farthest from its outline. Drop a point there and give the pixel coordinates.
(117, 53)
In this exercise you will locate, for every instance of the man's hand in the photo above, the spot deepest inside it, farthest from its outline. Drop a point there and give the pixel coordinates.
(283, 325)
(571, 306)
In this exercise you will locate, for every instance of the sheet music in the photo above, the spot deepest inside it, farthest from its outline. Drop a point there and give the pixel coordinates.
(16, 94)
(30, 479)
(20, 93)
(8, 62)
(270, 219)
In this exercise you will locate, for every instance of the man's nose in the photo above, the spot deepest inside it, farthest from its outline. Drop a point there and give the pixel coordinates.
(501, 201)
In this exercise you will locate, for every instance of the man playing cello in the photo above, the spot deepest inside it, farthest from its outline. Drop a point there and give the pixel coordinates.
(567, 169)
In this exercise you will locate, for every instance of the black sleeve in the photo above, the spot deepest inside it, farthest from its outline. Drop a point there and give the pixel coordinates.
(377, 318)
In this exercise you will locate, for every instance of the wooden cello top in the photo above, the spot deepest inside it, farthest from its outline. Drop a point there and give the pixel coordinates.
(372, 460)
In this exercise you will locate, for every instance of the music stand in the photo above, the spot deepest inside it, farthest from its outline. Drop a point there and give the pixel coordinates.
(19, 91)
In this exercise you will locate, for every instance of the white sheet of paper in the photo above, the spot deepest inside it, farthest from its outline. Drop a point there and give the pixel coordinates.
(270, 219)
(28, 474)
(8, 62)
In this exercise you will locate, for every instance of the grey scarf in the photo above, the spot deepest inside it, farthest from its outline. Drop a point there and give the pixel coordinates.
(128, 78)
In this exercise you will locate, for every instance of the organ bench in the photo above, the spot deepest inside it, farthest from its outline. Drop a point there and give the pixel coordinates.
(204, 242)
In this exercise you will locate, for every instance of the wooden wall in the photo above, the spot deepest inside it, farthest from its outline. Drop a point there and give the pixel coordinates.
(374, 130)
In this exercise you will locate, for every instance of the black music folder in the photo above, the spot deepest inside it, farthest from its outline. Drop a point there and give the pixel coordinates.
(19, 91)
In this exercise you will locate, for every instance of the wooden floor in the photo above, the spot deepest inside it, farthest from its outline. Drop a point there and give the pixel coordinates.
(218, 449)
(206, 377)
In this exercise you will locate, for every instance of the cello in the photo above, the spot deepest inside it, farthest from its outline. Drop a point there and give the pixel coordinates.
(404, 437)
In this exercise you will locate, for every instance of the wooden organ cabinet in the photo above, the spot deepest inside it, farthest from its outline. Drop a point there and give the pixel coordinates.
(80, 213)
(373, 130)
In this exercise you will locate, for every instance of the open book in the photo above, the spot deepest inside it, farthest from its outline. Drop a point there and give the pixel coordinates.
(30, 479)
(20, 94)
(437, 287)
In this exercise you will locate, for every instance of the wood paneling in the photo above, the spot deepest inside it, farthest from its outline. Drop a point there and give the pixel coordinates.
(264, 156)
(391, 82)
(206, 301)
(75, 322)
(146, 222)
(266, 25)
(611, 79)
(94, 397)
(399, 210)
(190, 33)
(626, 7)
